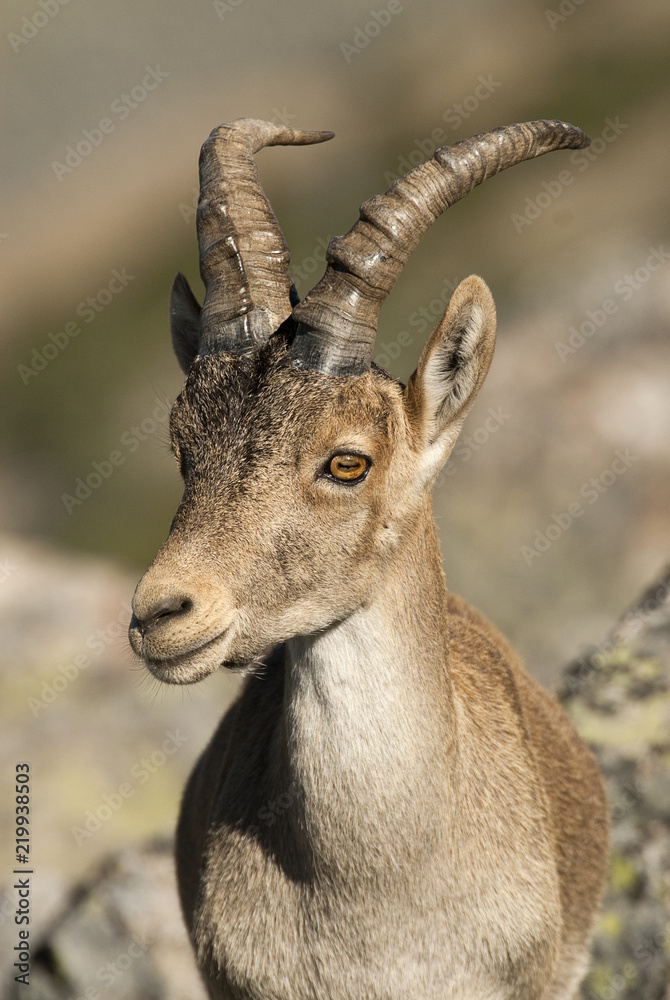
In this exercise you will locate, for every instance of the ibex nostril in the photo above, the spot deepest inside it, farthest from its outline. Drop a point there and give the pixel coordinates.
(172, 606)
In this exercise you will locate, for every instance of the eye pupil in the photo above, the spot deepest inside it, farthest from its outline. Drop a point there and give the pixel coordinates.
(348, 467)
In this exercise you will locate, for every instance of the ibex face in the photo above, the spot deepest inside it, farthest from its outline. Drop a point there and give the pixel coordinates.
(299, 487)
(303, 463)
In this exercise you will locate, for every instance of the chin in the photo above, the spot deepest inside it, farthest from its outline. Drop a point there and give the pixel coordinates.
(182, 670)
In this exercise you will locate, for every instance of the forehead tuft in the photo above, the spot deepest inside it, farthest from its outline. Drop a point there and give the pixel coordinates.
(238, 393)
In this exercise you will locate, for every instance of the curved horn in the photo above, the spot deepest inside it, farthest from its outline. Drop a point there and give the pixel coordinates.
(337, 320)
(243, 255)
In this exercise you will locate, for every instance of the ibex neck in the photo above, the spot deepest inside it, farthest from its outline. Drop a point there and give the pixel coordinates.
(368, 717)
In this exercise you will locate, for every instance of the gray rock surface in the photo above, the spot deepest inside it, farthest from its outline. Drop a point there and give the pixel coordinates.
(619, 695)
(119, 935)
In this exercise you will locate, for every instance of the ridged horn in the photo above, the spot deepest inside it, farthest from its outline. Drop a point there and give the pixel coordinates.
(243, 255)
(337, 320)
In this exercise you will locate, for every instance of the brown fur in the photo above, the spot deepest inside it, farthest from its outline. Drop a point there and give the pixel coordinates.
(392, 808)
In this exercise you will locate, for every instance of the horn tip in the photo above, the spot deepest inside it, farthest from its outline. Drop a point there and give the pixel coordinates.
(577, 138)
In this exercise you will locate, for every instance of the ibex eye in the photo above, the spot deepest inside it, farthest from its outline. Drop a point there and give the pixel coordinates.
(349, 468)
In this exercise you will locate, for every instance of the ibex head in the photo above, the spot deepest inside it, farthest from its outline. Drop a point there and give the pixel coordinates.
(306, 467)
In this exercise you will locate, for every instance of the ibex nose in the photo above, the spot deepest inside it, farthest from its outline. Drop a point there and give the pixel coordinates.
(169, 606)
(175, 613)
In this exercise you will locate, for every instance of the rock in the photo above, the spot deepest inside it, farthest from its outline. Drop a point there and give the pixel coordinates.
(120, 935)
(618, 693)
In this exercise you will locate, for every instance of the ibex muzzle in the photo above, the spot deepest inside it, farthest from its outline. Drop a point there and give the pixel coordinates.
(392, 808)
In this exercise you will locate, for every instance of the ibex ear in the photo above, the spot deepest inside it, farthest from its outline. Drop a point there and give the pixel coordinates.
(451, 370)
(184, 322)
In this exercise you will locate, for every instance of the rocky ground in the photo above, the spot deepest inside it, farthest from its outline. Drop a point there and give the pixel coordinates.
(107, 922)
(119, 935)
(619, 696)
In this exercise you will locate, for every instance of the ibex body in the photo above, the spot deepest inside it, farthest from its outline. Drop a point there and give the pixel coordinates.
(392, 808)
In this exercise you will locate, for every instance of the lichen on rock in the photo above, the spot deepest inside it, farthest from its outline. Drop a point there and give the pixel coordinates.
(618, 694)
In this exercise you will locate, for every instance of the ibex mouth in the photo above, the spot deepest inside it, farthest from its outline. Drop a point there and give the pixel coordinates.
(188, 667)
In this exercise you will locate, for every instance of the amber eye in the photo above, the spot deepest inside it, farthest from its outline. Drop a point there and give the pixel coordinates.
(349, 468)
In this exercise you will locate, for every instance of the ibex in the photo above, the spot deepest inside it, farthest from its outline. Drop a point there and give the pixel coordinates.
(392, 808)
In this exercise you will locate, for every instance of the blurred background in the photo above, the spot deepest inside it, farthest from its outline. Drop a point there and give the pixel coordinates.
(553, 510)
